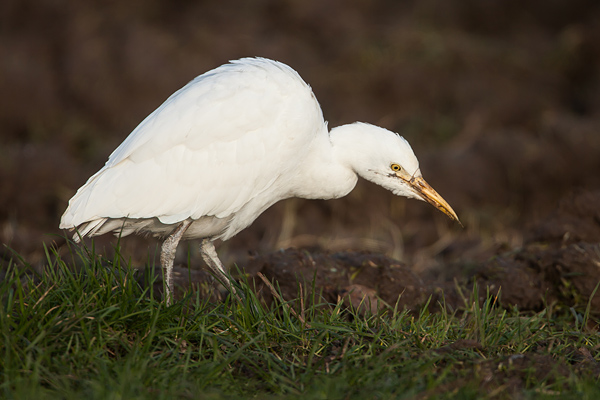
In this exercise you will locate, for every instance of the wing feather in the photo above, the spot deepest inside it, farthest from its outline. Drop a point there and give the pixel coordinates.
(227, 137)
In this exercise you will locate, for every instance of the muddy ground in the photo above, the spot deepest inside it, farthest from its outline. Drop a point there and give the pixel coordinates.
(500, 100)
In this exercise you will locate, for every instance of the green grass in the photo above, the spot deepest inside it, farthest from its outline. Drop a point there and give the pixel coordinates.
(93, 332)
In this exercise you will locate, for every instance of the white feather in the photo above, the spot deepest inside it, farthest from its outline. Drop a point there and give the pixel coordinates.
(223, 149)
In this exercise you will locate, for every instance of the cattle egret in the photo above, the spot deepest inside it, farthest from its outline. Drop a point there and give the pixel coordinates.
(226, 147)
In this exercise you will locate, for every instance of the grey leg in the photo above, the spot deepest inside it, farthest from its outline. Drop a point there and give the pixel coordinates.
(209, 254)
(167, 256)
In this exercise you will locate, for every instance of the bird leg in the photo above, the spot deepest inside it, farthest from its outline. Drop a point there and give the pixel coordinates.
(209, 254)
(167, 256)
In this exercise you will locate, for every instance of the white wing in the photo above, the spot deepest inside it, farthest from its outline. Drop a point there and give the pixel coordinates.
(213, 146)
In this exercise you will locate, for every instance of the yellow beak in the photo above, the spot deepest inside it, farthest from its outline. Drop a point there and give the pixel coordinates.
(428, 194)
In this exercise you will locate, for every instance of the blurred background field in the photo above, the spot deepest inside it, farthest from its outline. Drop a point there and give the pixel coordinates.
(500, 100)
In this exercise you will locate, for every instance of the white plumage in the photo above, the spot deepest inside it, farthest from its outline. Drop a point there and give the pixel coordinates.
(223, 149)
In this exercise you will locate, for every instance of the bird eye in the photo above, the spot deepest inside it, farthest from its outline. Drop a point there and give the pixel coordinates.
(396, 167)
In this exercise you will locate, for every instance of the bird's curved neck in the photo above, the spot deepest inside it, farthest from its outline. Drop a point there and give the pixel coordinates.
(326, 174)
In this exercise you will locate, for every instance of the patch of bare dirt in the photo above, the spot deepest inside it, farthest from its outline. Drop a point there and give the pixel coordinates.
(361, 276)
(560, 260)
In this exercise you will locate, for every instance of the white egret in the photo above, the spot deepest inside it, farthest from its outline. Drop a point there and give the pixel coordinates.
(226, 147)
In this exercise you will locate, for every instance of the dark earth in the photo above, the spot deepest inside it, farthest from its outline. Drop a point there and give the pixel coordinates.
(500, 100)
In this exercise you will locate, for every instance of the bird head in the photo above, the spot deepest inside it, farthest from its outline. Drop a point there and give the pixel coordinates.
(385, 158)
